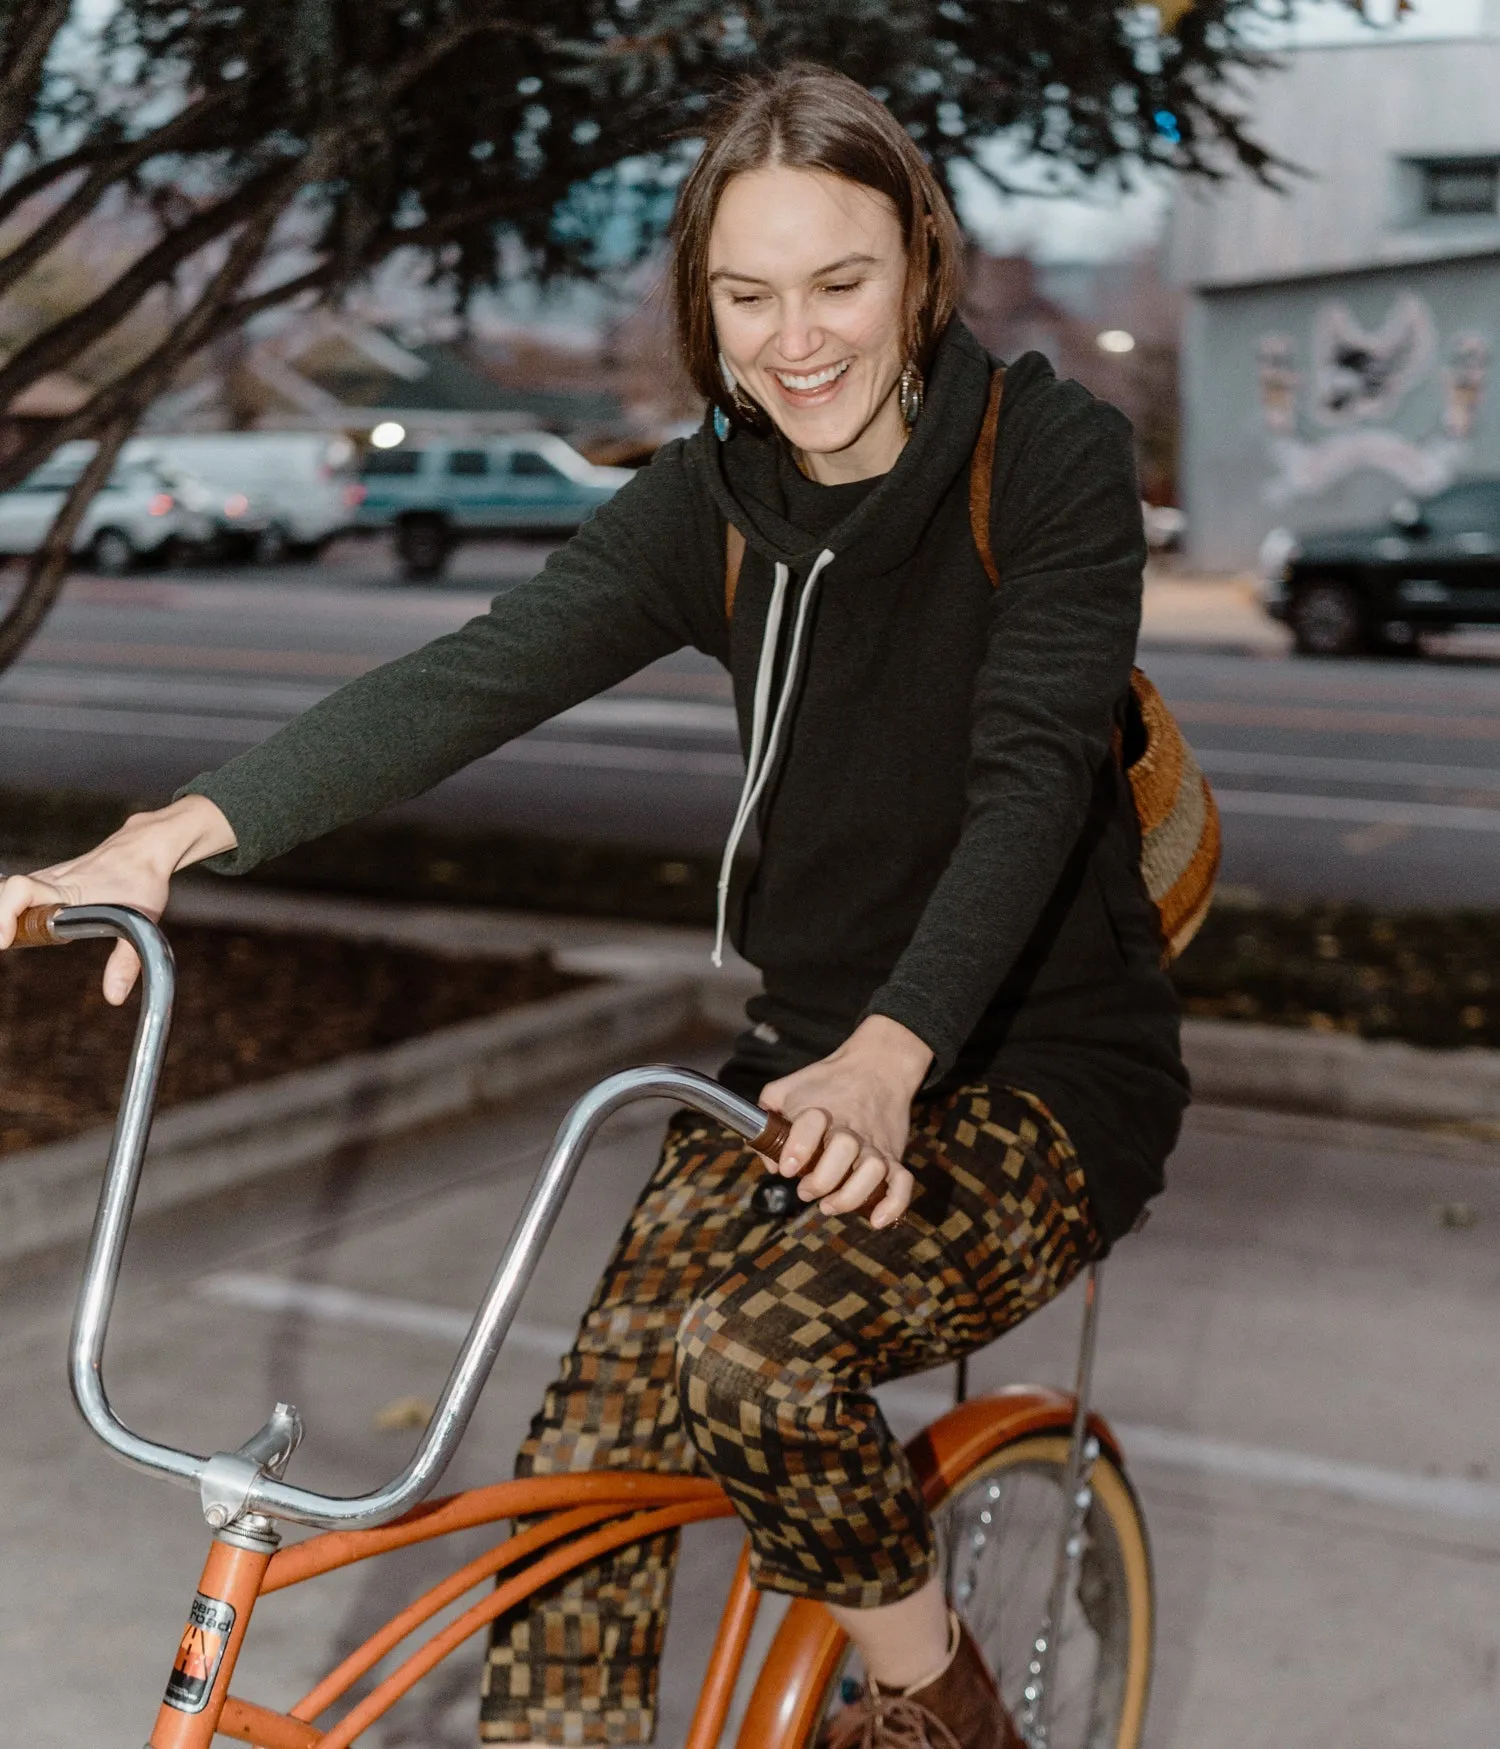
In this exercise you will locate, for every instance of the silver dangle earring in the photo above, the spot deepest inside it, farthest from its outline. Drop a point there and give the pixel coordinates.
(748, 411)
(909, 391)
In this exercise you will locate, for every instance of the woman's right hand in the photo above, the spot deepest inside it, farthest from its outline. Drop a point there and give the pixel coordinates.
(133, 866)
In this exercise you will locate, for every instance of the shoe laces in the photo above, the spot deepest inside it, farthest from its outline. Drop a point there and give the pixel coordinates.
(892, 1721)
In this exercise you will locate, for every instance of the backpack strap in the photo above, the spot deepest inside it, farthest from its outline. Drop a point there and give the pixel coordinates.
(982, 478)
(734, 557)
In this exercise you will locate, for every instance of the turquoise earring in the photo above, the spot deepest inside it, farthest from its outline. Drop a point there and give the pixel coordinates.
(721, 425)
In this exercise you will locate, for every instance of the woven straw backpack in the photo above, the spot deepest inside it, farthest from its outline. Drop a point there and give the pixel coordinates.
(1174, 806)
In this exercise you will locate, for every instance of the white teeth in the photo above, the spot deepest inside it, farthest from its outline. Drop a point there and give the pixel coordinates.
(815, 381)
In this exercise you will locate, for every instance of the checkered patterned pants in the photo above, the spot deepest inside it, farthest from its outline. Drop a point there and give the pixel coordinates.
(720, 1337)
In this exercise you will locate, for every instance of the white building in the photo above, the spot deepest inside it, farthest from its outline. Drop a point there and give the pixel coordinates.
(1340, 335)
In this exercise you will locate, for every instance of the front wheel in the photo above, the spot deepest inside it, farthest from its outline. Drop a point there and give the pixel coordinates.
(1327, 620)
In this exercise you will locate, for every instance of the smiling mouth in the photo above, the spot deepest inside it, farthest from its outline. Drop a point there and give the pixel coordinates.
(809, 382)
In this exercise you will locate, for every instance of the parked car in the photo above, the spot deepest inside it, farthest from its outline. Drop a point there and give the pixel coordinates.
(137, 514)
(432, 495)
(303, 484)
(1435, 563)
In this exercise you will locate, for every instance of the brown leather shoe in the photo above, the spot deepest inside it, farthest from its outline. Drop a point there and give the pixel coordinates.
(960, 1708)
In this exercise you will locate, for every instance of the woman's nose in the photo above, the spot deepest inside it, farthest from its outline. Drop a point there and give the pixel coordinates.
(798, 338)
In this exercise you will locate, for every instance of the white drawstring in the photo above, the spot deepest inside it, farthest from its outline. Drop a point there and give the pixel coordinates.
(762, 745)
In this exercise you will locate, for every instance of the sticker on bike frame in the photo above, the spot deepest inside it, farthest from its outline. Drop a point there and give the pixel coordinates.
(200, 1654)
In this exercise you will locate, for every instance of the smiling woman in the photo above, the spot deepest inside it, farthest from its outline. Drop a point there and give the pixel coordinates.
(816, 262)
(927, 595)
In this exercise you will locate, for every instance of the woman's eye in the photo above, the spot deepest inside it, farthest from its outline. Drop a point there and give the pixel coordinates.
(847, 286)
(742, 300)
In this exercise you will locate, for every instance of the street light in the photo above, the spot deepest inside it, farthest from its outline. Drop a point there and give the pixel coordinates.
(1115, 340)
(387, 434)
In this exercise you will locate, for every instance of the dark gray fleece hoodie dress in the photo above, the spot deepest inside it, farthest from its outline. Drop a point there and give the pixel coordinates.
(945, 835)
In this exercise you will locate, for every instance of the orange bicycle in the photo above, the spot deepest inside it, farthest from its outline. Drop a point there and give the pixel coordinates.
(1043, 1543)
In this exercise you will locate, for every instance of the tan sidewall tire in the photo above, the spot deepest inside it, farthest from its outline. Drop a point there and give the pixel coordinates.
(1115, 1496)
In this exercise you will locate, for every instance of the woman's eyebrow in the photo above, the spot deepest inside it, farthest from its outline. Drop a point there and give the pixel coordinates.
(819, 273)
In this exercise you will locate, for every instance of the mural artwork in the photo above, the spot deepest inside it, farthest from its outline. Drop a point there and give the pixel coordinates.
(1358, 381)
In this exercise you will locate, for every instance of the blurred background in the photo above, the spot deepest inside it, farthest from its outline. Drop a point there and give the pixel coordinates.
(321, 324)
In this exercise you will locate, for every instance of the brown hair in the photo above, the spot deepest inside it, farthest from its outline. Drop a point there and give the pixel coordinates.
(810, 118)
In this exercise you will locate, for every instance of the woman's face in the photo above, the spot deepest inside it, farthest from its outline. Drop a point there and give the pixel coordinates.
(806, 275)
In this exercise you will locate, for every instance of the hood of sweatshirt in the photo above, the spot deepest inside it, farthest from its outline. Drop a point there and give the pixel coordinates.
(745, 472)
(883, 529)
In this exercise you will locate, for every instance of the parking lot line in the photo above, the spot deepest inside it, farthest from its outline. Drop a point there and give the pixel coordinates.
(1369, 1484)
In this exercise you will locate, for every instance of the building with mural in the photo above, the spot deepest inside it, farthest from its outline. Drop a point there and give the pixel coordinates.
(1339, 338)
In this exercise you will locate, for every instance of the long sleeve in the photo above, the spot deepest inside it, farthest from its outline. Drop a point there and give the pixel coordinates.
(1071, 550)
(621, 593)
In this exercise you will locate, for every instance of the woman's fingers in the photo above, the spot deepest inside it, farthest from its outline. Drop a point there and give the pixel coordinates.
(20, 893)
(841, 1148)
(120, 973)
(803, 1141)
(900, 1188)
(869, 1174)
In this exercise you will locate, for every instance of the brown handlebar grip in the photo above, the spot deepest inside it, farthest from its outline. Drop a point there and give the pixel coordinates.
(34, 927)
(772, 1139)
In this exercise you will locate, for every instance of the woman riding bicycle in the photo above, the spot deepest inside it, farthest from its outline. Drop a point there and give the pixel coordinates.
(963, 1014)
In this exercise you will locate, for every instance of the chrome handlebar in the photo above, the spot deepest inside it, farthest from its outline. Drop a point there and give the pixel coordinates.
(232, 1485)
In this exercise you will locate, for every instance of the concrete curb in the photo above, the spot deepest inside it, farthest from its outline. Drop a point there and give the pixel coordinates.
(48, 1195)
(1279, 1068)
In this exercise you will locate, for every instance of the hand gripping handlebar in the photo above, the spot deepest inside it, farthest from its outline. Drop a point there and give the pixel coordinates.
(234, 1484)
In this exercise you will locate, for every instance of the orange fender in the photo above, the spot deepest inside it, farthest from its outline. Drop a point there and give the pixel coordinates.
(809, 1647)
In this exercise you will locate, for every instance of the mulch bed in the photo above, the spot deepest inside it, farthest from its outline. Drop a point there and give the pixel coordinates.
(251, 1004)
(1429, 977)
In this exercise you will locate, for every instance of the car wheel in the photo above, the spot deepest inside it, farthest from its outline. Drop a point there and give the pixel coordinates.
(273, 545)
(112, 552)
(423, 545)
(1326, 620)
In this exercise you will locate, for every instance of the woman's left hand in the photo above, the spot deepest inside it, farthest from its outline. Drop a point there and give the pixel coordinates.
(851, 1120)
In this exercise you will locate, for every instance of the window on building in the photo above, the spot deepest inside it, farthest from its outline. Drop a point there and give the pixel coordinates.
(470, 463)
(1453, 187)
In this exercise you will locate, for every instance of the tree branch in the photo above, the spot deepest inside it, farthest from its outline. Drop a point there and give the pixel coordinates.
(105, 172)
(35, 30)
(47, 569)
(117, 412)
(60, 344)
(43, 176)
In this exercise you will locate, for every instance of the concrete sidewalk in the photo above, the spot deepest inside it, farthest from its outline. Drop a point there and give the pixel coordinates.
(1298, 1347)
(1183, 610)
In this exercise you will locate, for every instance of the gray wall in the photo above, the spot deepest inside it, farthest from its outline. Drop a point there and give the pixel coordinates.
(1314, 403)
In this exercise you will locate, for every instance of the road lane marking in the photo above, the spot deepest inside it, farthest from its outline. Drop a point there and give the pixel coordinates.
(1352, 810)
(1322, 720)
(84, 693)
(1315, 768)
(531, 750)
(1171, 1448)
(335, 664)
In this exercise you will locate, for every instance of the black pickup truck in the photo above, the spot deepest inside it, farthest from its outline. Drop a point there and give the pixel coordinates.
(1374, 591)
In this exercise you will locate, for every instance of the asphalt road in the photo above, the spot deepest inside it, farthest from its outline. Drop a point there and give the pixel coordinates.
(1297, 1352)
(1370, 780)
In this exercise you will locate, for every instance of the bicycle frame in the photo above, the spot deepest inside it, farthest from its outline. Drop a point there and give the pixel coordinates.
(579, 1517)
